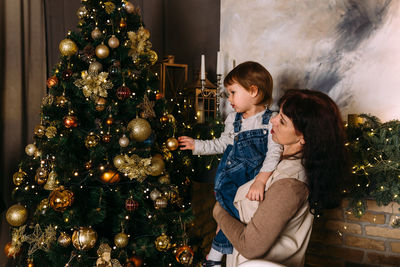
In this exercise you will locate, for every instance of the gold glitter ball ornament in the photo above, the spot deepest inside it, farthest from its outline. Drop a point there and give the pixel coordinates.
(39, 130)
(60, 199)
(51, 132)
(82, 12)
(102, 51)
(64, 240)
(139, 129)
(121, 240)
(68, 47)
(91, 140)
(84, 239)
(61, 101)
(163, 242)
(19, 177)
(16, 215)
(118, 161)
(172, 143)
(157, 166)
(95, 68)
(96, 33)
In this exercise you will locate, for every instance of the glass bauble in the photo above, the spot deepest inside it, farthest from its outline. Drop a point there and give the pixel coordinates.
(102, 51)
(172, 143)
(30, 149)
(161, 203)
(123, 141)
(19, 177)
(84, 239)
(156, 167)
(121, 240)
(70, 121)
(96, 33)
(110, 177)
(113, 42)
(95, 68)
(60, 199)
(123, 92)
(64, 240)
(131, 204)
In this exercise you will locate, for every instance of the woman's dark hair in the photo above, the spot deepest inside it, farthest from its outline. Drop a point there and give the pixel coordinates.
(252, 73)
(324, 156)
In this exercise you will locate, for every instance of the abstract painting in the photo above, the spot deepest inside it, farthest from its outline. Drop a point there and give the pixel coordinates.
(349, 49)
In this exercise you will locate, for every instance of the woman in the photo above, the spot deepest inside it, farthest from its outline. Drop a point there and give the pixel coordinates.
(305, 182)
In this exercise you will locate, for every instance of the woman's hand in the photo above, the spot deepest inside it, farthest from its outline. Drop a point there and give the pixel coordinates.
(256, 191)
(186, 142)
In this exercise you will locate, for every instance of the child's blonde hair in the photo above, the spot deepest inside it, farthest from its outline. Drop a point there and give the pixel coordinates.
(249, 74)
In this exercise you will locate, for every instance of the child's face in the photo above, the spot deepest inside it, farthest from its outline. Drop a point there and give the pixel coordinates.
(241, 100)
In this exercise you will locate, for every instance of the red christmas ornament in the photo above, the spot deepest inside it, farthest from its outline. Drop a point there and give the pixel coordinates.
(159, 96)
(131, 204)
(123, 92)
(70, 121)
(52, 81)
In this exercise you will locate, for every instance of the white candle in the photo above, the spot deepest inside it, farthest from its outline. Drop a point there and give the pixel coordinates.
(219, 63)
(203, 68)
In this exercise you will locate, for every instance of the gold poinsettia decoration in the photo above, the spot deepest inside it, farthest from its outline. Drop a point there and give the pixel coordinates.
(135, 167)
(94, 85)
(139, 42)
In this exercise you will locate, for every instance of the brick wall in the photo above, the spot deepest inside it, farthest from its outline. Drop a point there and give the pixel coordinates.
(341, 239)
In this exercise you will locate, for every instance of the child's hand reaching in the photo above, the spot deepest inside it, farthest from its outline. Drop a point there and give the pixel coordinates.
(186, 142)
(256, 191)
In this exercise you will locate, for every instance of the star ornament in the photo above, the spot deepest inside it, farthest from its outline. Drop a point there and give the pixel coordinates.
(94, 86)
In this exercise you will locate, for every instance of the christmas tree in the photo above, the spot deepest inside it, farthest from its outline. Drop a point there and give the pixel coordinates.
(103, 183)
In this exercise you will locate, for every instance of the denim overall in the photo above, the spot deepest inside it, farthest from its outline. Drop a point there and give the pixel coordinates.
(240, 163)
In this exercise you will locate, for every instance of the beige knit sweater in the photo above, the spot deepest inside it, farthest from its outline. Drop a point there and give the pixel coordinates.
(277, 229)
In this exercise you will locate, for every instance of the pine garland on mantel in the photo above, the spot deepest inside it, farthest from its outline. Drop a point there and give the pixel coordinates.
(375, 154)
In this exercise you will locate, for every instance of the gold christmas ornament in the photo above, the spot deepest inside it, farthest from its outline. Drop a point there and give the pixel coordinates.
(91, 140)
(101, 104)
(165, 179)
(129, 7)
(64, 240)
(152, 56)
(68, 47)
(122, 23)
(161, 203)
(139, 129)
(157, 166)
(30, 149)
(113, 42)
(163, 242)
(110, 7)
(37, 153)
(172, 143)
(154, 194)
(96, 33)
(60, 199)
(19, 177)
(61, 101)
(51, 132)
(41, 175)
(184, 255)
(118, 161)
(11, 251)
(52, 182)
(82, 12)
(102, 51)
(95, 68)
(16, 215)
(171, 194)
(84, 239)
(123, 141)
(121, 240)
(106, 138)
(110, 177)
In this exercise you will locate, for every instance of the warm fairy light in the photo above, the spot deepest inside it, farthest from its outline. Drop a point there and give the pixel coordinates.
(390, 129)
(208, 167)
(126, 217)
(347, 144)
(66, 220)
(382, 187)
(76, 173)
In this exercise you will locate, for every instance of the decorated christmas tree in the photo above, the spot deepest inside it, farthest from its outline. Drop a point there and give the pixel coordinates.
(103, 183)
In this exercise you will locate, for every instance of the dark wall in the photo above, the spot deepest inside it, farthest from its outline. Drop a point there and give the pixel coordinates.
(183, 28)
